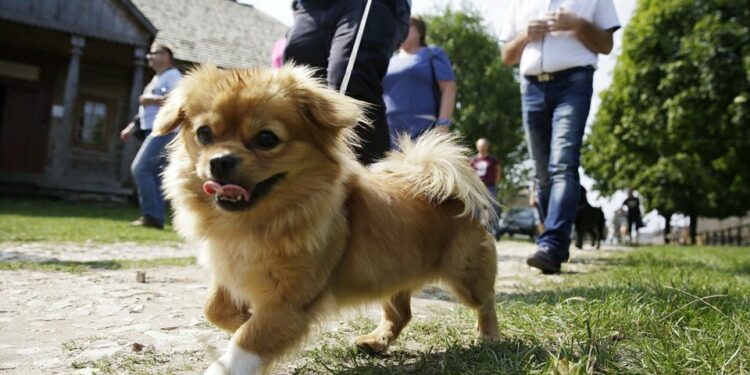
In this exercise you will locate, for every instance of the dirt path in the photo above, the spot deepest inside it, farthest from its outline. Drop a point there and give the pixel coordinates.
(63, 323)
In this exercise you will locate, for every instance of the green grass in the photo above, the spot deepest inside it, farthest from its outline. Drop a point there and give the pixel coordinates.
(146, 362)
(656, 310)
(138, 364)
(45, 220)
(81, 267)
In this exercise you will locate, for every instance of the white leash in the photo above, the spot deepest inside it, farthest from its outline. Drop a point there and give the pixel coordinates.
(355, 49)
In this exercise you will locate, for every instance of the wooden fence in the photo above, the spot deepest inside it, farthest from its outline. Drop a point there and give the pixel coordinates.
(734, 236)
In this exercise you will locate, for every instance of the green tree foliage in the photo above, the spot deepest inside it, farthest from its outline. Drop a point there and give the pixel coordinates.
(488, 101)
(675, 124)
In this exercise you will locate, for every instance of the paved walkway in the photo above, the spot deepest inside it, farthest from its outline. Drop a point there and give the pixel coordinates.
(63, 323)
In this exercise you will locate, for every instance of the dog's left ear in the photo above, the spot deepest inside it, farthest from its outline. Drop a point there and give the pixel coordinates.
(171, 114)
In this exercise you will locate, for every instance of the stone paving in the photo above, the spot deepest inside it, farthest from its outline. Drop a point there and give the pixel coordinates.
(69, 323)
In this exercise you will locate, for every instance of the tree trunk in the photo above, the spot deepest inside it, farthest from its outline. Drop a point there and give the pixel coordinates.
(667, 228)
(693, 228)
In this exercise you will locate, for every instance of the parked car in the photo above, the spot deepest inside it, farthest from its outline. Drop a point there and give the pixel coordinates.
(518, 220)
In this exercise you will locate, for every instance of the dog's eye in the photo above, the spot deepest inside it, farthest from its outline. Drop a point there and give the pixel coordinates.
(266, 140)
(204, 135)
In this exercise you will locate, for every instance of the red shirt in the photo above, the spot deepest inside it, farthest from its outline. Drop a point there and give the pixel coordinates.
(486, 168)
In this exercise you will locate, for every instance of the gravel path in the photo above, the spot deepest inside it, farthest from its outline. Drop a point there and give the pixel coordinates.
(65, 323)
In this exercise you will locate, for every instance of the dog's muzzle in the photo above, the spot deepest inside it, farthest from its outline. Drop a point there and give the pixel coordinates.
(223, 166)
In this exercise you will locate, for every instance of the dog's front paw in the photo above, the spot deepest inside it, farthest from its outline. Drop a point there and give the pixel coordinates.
(216, 368)
(236, 361)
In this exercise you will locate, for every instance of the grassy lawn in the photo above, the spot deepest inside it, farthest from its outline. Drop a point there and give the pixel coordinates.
(657, 310)
(55, 220)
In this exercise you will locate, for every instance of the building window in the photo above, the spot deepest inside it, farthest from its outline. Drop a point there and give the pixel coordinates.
(93, 122)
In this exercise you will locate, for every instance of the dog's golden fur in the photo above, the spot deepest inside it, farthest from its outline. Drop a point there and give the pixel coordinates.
(330, 233)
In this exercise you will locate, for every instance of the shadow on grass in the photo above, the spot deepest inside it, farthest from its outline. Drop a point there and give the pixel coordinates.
(505, 357)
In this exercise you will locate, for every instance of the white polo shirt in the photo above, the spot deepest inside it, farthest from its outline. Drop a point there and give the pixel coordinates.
(558, 50)
(160, 85)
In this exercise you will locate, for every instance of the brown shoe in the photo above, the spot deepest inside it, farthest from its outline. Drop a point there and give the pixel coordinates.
(147, 222)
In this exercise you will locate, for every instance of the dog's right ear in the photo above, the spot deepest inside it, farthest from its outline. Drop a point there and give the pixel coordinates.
(171, 114)
(330, 109)
(323, 106)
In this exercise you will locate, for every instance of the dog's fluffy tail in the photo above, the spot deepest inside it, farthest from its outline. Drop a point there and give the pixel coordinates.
(437, 167)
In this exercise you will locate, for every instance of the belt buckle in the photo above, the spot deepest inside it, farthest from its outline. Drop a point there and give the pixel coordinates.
(544, 77)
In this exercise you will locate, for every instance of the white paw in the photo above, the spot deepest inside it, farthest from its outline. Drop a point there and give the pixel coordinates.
(215, 369)
(236, 361)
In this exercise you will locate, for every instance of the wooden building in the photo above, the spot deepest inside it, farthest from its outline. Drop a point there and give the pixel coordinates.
(71, 72)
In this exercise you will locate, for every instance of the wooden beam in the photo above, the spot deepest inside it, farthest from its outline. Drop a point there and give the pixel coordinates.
(63, 131)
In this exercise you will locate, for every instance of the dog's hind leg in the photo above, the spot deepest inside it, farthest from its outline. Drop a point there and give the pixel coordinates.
(222, 311)
(472, 279)
(396, 314)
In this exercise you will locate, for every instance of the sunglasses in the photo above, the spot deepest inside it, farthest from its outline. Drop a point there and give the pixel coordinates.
(154, 53)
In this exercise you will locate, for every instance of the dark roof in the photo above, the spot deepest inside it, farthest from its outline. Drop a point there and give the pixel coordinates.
(223, 32)
(139, 16)
(116, 20)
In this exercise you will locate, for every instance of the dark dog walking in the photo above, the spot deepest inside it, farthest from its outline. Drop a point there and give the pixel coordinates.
(589, 220)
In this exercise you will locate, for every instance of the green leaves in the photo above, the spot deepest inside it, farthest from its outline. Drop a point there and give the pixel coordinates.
(488, 100)
(675, 121)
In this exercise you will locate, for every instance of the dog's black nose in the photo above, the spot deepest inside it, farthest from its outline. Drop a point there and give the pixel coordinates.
(222, 166)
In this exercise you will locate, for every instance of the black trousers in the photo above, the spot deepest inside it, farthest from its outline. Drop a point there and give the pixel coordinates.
(323, 37)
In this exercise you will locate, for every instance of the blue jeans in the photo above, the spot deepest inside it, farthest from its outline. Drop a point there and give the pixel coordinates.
(554, 118)
(146, 168)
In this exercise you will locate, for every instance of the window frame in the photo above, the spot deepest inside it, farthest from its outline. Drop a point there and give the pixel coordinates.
(109, 123)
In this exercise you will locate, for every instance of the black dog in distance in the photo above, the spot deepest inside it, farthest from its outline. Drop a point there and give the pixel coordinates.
(589, 220)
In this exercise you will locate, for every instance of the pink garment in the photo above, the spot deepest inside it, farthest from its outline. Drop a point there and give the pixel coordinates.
(277, 54)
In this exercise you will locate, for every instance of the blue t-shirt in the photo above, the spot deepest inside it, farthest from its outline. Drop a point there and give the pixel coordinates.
(408, 89)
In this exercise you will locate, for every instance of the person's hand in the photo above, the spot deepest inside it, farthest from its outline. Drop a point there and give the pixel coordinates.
(536, 29)
(147, 99)
(442, 128)
(126, 133)
(563, 20)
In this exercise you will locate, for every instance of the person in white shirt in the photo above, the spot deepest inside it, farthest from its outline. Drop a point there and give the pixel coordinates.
(151, 158)
(556, 43)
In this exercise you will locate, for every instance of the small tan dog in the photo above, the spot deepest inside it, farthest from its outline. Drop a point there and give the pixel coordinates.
(262, 174)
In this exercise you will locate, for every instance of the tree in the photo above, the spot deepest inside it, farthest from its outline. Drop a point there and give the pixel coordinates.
(488, 101)
(674, 123)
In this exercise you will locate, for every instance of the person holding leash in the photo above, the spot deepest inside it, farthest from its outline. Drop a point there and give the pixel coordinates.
(557, 43)
(324, 36)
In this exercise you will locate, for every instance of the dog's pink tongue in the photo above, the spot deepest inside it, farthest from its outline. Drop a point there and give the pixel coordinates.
(230, 190)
